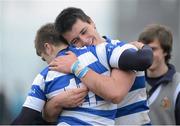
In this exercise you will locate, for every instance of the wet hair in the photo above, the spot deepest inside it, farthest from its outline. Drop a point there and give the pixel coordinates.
(162, 34)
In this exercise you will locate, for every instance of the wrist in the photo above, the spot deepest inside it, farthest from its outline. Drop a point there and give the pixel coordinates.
(79, 70)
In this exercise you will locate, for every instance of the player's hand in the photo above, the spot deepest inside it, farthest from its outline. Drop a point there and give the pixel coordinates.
(139, 45)
(71, 97)
(63, 63)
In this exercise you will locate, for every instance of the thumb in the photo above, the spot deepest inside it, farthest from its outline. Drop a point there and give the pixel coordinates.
(70, 53)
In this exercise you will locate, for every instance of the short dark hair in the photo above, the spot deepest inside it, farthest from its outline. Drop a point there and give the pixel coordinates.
(47, 34)
(68, 17)
(162, 34)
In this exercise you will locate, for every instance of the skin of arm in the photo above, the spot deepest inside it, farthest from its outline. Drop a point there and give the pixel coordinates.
(113, 88)
(70, 98)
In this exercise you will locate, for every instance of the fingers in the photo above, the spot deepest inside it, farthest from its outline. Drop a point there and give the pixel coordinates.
(78, 100)
(76, 96)
(70, 53)
(80, 90)
(53, 66)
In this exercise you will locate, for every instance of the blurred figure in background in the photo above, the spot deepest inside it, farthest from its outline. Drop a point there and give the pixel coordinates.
(163, 82)
(5, 114)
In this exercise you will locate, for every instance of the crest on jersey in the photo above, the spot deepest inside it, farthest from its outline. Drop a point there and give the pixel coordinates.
(166, 103)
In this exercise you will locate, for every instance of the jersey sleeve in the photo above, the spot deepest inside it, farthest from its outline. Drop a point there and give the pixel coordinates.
(115, 50)
(128, 57)
(36, 97)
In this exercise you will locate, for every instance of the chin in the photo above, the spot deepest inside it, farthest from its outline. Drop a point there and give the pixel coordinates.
(152, 68)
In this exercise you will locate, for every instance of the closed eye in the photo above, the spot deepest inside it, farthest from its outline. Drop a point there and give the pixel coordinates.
(84, 32)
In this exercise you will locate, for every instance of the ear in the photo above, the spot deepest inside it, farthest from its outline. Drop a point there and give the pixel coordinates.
(48, 48)
(92, 23)
(165, 54)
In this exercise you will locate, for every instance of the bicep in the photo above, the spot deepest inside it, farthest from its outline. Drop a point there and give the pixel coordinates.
(123, 81)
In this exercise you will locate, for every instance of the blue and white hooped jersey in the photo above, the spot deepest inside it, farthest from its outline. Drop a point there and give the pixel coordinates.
(133, 110)
(95, 110)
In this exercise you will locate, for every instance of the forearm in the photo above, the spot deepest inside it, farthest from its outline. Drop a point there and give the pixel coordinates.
(112, 88)
(68, 99)
(52, 110)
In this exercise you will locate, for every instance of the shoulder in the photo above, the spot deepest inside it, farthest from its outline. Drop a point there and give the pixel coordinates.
(176, 77)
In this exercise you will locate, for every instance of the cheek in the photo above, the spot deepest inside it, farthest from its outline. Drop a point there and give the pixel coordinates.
(157, 57)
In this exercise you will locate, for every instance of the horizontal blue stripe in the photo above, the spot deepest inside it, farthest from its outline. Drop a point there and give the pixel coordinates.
(132, 108)
(58, 83)
(103, 113)
(120, 43)
(71, 120)
(111, 47)
(97, 67)
(37, 92)
(138, 83)
(78, 51)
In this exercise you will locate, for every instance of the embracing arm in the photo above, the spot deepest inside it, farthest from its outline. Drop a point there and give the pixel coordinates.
(113, 88)
(28, 117)
(52, 110)
(69, 98)
(106, 87)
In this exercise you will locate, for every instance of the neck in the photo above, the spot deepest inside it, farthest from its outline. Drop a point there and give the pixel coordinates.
(59, 48)
(158, 71)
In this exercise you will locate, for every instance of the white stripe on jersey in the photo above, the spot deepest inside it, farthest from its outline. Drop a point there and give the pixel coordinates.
(39, 80)
(114, 42)
(140, 73)
(92, 98)
(54, 93)
(89, 118)
(101, 54)
(53, 74)
(102, 105)
(107, 73)
(133, 119)
(63, 124)
(87, 58)
(117, 53)
(154, 95)
(133, 97)
(72, 84)
(37, 105)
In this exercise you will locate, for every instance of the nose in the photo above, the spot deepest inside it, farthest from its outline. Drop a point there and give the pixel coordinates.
(83, 38)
